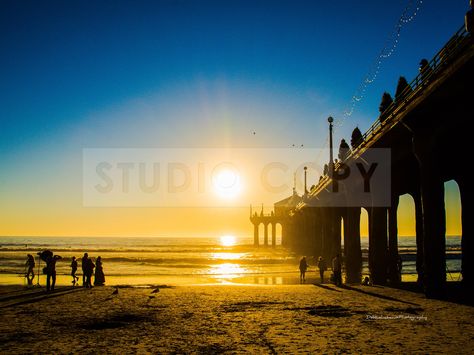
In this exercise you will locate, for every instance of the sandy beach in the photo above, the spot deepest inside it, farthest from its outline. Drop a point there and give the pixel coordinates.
(232, 319)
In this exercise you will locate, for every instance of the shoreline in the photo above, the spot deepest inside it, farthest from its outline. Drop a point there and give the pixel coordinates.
(196, 280)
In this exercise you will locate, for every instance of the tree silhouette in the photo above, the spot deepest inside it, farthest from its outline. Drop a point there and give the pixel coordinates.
(343, 150)
(425, 70)
(356, 137)
(384, 104)
(403, 89)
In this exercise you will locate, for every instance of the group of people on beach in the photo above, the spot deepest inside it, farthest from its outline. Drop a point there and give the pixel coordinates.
(49, 270)
(336, 276)
(336, 269)
(88, 267)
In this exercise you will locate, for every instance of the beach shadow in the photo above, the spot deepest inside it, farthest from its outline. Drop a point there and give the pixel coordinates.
(455, 292)
(36, 296)
(19, 336)
(334, 311)
(329, 310)
(244, 306)
(212, 349)
(374, 294)
(410, 310)
(327, 287)
(116, 321)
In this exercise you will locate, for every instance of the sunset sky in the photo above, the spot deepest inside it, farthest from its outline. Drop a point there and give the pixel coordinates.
(219, 75)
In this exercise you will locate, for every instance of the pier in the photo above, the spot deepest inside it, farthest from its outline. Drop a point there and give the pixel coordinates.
(428, 148)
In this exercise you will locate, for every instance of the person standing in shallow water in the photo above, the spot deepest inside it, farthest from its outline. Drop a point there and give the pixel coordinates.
(322, 267)
(99, 277)
(30, 273)
(73, 271)
(84, 263)
(303, 268)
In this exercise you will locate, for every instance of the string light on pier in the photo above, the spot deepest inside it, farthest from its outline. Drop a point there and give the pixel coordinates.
(408, 15)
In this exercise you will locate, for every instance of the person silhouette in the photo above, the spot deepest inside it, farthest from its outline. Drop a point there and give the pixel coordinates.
(30, 273)
(73, 271)
(88, 269)
(366, 281)
(84, 262)
(322, 267)
(99, 277)
(51, 272)
(303, 268)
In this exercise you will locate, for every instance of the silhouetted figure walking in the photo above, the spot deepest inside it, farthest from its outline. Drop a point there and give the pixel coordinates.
(337, 270)
(322, 267)
(30, 272)
(99, 277)
(74, 270)
(303, 268)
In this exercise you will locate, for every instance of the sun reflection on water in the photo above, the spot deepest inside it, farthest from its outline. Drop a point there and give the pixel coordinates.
(227, 256)
(226, 271)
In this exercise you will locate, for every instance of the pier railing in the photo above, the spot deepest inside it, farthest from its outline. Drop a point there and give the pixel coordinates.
(438, 63)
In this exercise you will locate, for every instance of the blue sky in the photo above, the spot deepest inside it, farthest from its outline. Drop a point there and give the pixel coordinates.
(77, 74)
(63, 60)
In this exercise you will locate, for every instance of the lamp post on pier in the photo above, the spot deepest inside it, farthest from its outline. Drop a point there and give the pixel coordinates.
(331, 160)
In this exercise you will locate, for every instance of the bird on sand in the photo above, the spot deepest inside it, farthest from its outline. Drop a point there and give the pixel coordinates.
(156, 290)
(116, 291)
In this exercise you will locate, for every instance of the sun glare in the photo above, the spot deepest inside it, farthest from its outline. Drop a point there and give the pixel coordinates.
(228, 240)
(227, 270)
(226, 183)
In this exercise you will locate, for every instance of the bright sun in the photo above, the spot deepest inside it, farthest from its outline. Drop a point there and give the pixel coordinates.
(228, 240)
(226, 183)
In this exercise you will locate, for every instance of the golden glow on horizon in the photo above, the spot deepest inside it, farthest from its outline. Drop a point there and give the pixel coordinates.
(34, 211)
(228, 241)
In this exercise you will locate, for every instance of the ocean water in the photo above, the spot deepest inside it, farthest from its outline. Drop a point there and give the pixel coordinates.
(178, 261)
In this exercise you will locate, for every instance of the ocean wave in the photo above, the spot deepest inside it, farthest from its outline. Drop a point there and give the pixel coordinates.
(148, 249)
(172, 262)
